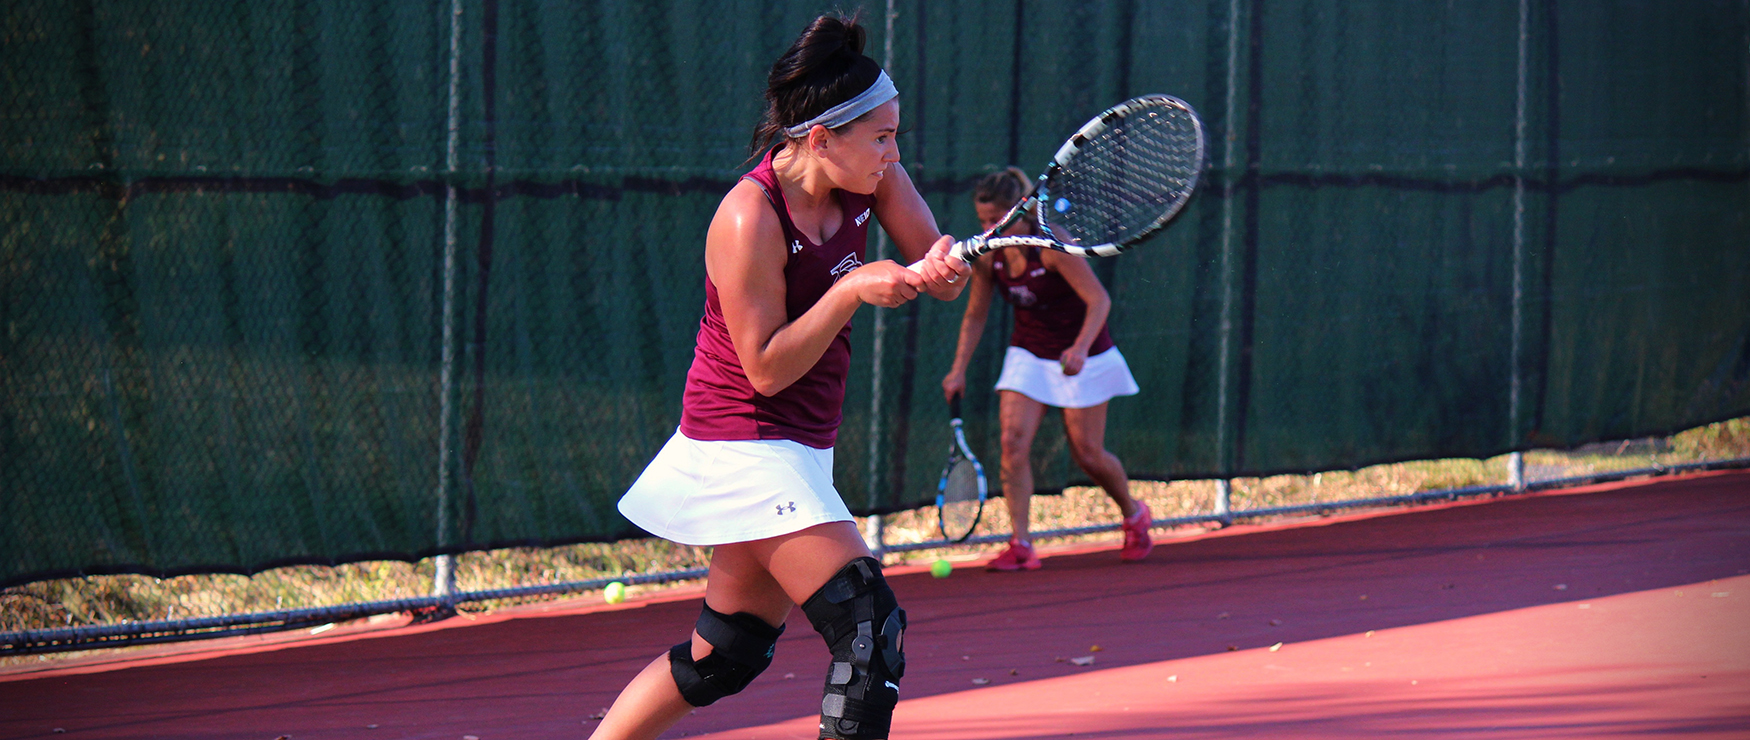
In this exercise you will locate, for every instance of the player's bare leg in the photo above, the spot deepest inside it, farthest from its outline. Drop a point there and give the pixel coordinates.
(647, 706)
(1086, 429)
(652, 702)
(1020, 417)
(765, 578)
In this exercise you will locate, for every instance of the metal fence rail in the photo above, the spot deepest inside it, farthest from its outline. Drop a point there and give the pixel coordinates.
(175, 630)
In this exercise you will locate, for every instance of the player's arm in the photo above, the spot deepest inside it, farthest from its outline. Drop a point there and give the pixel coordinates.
(745, 257)
(908, 220)
(978, 298)
(1081, 279)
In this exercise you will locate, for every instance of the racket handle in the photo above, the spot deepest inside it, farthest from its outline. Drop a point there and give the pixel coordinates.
(965, 251)
(954, 407)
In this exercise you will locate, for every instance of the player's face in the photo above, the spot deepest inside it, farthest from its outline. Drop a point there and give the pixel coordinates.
(862, 152)
(991, 214)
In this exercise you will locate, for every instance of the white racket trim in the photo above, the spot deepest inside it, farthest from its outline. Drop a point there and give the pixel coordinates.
(975, 247)
(962, 453)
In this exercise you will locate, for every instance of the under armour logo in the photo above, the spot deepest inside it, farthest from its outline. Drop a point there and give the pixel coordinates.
(863, 217)
(795, 246)
(787, 508)
(849, 263)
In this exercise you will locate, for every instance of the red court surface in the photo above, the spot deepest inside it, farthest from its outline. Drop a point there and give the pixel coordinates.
(1613, 611)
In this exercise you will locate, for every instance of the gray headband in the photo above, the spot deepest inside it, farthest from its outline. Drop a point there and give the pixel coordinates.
(848, 111)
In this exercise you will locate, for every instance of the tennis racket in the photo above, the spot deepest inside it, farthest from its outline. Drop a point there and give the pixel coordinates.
(1120, 178)
(960, 494)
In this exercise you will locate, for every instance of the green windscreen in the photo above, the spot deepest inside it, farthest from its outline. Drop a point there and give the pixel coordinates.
(295, 281)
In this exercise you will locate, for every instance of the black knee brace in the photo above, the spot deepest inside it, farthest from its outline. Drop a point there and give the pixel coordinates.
(865, 630)
(741, 648)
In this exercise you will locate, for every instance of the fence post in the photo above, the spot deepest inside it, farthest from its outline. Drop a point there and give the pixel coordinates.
(1516, 460)
(875, 534)
(1223, 488)
(1224, 501)
(444, 583)
(875, 529)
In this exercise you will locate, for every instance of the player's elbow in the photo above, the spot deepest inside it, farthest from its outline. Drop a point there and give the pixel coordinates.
(768, 384)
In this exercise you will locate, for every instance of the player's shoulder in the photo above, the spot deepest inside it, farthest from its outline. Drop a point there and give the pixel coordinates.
(1056, 261)
(746, 216)
(749, 203)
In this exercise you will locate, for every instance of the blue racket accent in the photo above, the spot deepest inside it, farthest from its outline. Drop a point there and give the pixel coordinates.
(1120, 178)
(961, 492)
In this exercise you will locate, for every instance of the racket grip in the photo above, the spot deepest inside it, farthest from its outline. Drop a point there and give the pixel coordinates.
(961, 250)
(954, 407)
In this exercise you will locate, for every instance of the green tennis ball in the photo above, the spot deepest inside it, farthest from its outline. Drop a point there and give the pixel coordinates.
(941, 568)
(615, 592)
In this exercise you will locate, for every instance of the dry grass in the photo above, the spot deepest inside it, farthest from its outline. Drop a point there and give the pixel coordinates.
(130, 598)
(113, 599)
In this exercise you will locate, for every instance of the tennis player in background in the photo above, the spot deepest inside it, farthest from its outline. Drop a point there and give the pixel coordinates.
(1060, 354)
(749, 472)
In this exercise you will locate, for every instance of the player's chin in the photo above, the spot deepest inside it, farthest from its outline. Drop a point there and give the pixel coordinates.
(868, 185)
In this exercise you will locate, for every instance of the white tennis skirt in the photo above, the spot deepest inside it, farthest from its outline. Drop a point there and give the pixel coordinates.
(714, 493)
(1103, 376)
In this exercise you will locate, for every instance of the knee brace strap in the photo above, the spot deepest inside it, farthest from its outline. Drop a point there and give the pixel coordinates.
(858, 616)
(741, 648)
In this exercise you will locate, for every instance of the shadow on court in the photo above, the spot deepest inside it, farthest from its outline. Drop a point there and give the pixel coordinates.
(1444, 589)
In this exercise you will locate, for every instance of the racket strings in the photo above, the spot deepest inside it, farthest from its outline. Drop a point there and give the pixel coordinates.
(962, 504)
(962, 483)
(1127, 179)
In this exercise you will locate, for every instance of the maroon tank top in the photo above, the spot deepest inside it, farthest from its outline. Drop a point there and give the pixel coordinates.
(1048, 313)
(720, 403)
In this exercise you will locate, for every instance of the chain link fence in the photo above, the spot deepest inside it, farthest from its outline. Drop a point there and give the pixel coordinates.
(100, 612)
(346, 285)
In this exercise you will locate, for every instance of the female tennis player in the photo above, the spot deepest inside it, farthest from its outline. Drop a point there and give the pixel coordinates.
(1060, 354)
(750, 469)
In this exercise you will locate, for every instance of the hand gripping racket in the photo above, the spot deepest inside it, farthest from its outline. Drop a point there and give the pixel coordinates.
(960, 494)
(1120, 178)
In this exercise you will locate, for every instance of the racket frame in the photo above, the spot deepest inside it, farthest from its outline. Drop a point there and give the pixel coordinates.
(988, 241)
(957, 452)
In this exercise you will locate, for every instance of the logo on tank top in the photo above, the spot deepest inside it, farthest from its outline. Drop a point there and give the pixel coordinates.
(788, 507)
(795, 246)
(849, 263)
(863, 217)
(1037, 271)
(1022, 296)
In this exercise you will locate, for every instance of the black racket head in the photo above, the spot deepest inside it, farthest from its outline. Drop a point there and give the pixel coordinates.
(1123, 175)
(961, 491)
(960, 499)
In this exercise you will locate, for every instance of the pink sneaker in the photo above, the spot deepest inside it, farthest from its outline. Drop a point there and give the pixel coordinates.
(1019, 556)
(1137, 542)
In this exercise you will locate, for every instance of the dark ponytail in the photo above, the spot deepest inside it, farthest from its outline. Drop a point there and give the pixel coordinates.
(825, 67)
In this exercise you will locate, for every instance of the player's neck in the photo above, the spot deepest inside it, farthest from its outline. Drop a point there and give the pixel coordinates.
(806, 184)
